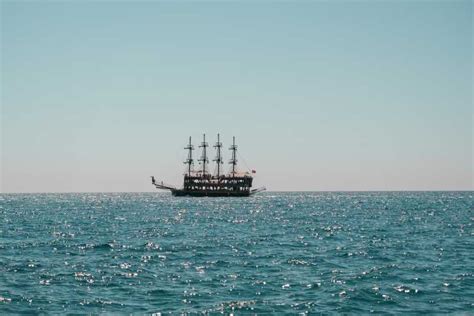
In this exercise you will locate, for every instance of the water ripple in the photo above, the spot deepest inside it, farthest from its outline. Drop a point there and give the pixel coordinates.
(283, 253)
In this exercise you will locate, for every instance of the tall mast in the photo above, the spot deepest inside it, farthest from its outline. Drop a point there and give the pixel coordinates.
(218, 159)
(204, 159)
(233, 161)
(190, 160)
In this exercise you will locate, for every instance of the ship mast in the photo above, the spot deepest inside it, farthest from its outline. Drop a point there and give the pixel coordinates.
(204, 159)
(190, 160)
(218, 159)
(233, 161)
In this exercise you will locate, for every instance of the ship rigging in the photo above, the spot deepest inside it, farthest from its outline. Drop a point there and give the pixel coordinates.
(201, 182)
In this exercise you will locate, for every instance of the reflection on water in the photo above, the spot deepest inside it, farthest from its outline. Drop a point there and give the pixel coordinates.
(275, 252)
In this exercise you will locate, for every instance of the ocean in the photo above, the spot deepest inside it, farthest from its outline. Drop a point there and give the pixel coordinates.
(274, 253)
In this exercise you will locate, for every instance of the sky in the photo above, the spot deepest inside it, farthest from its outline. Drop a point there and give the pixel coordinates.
(321, 96)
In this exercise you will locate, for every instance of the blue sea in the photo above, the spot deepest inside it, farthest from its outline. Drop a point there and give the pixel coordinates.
(279, 253)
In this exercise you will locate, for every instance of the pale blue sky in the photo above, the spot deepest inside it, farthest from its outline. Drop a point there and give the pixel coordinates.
(98, 96)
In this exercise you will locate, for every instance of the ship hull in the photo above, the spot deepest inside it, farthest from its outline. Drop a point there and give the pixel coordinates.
(210, 193)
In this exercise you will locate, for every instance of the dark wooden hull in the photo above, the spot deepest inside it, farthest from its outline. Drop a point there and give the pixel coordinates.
(198, 193)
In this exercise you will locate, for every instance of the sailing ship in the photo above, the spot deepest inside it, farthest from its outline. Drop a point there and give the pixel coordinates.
(201, 182)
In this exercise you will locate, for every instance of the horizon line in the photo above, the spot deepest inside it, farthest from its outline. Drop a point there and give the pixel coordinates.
(272, 191)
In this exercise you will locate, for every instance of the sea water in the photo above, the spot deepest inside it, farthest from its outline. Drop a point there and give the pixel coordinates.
(277, 253)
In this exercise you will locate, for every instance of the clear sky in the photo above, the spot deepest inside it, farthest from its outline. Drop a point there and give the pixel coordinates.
(98, 96)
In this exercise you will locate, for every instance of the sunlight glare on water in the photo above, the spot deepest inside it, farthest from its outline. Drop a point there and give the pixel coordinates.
(271, 253)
